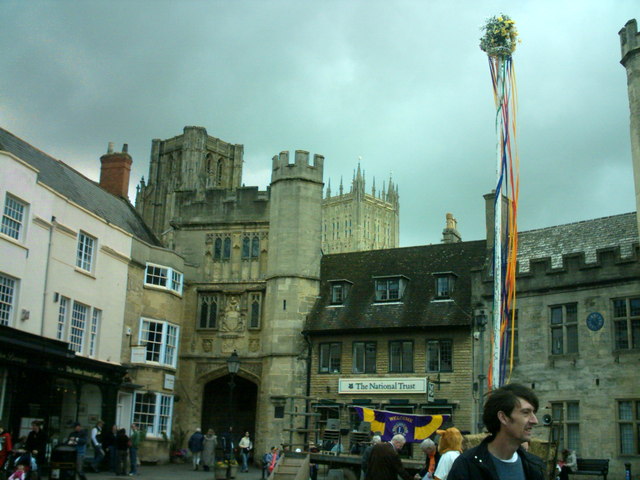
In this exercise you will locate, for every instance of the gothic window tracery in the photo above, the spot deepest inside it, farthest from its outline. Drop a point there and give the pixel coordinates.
(226, 251)
(208, 311)
(217, 249)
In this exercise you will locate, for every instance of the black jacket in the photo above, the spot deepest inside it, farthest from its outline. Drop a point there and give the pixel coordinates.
(476, 464)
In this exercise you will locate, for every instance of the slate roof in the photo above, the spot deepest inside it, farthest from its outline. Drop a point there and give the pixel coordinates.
(417, 309)
(587, 236)
(75, 186)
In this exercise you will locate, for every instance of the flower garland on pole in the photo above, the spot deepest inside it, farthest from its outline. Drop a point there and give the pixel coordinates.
(499, 42)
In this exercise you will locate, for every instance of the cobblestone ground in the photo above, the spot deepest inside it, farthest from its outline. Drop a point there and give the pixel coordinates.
(170, 471)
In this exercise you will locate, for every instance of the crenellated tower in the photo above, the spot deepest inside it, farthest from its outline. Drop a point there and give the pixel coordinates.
(630, 51)
(292, 283)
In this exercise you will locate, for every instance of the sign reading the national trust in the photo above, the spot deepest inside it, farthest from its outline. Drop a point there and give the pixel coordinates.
(382, 385)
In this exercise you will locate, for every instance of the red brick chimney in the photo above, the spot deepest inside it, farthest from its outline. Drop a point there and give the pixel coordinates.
(115, 170)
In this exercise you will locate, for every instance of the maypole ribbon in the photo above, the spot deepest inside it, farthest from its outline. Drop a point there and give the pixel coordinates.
(499, 42)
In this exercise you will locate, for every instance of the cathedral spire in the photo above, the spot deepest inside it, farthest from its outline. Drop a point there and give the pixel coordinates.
(328, 188)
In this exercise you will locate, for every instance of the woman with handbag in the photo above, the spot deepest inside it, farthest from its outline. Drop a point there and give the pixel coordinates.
(245, 448)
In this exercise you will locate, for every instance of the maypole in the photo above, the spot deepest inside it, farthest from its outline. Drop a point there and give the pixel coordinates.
(499, 42)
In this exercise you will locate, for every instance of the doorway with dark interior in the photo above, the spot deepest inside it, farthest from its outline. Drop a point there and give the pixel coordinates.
(224, 406)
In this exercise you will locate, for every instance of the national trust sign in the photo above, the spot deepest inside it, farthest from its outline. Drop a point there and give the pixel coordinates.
(382, 385)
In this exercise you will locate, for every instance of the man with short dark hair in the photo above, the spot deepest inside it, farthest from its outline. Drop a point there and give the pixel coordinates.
(509, 415)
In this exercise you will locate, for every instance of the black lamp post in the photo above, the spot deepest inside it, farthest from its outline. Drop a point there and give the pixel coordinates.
(233, 365)
(481, 324)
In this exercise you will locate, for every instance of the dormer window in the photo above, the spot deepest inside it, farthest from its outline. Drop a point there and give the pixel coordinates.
(389, 289)
(445, 282)
(339, 291)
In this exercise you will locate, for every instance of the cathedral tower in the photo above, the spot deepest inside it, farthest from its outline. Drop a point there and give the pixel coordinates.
(186, 166)
(357, 220)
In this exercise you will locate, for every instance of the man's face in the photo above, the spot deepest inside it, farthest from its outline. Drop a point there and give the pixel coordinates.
(522, 420)
(398, 444)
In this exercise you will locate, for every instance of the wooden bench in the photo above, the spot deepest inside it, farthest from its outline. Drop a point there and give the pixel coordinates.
(592, 466)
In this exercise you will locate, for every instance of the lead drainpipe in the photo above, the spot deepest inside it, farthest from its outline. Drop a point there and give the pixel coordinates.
(46, 276)
(308, 393)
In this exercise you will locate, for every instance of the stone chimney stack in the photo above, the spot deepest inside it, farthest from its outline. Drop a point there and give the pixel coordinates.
(450, 233)
(115, 171)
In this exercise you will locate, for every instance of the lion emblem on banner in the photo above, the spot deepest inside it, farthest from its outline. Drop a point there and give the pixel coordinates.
(400, 428)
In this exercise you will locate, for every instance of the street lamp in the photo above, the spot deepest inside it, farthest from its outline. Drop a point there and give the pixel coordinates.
(233, 365)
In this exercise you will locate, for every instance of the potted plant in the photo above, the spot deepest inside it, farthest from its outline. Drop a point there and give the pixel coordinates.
(220, 470)
(177, 454)
(233, 468)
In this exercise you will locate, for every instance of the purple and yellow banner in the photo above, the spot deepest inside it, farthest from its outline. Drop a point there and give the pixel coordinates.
(415, 428)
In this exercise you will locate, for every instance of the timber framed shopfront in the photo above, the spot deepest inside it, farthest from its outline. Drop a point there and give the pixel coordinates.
(43, 379)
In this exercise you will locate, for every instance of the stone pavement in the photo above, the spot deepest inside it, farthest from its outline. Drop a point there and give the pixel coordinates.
(172, 471)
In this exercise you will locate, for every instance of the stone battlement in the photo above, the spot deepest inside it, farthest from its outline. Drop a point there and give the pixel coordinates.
(612, 264)
(301, 169)
(629, 39)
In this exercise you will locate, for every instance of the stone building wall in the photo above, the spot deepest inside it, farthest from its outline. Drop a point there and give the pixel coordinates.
(157, 304)
(596, 377)
(455, 390)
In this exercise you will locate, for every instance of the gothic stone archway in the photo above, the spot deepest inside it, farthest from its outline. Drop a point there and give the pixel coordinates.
(219, 411)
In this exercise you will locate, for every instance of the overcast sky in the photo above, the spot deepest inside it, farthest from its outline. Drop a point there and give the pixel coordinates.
(402, 84)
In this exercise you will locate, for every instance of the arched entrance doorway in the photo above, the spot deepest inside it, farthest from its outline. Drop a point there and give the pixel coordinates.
(219, 410)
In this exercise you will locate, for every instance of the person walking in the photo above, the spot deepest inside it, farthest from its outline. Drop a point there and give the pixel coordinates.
(209, 445)
(227, 444)
(6, 445)
(96, 443)
(136, 437)
(366, 454)
(122, 447)
(78, 439)
(37, 443)
(195, 446)
(245, 445)
(109, 443)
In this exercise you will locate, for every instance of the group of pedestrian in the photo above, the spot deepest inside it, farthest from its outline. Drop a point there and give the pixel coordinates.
(509, 415)
(120, 449)
(203, 448)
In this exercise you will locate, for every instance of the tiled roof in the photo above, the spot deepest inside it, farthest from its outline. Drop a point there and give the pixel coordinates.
(73, 185)
(587, 236)
(417, 309)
